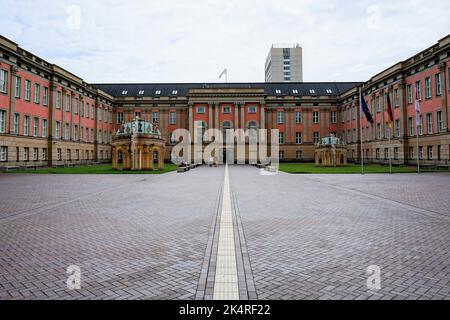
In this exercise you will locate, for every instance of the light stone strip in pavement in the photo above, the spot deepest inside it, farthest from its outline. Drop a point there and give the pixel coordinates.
(226, 281)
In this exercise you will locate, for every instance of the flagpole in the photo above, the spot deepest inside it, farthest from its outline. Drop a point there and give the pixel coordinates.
(360, 130)
(417, 130)
(390, 158)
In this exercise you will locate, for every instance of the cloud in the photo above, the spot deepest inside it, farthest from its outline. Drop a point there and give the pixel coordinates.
(192, 41)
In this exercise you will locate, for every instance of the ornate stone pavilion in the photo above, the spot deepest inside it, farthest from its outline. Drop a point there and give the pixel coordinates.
(139, 146)
(331, 152)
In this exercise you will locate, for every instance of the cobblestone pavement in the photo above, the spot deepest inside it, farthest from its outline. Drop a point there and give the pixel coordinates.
(154, 236)
(133, 236)
(314, 236)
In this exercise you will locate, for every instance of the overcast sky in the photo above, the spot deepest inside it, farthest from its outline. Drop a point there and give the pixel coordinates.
(193, 41)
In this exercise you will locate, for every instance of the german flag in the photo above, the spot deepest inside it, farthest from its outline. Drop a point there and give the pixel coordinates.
(389, 113)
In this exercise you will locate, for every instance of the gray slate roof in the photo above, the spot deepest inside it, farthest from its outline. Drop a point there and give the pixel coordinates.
(149, 89)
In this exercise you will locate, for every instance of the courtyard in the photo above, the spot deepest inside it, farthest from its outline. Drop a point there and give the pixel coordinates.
(159, 236)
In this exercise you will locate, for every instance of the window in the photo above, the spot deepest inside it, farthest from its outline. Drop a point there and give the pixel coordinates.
(69, 154)
(295, 91)
(430, 152)
(280, 117)
(82, 108)
(16, 123)
(281, 155)
(298, 154)
(439, 122)
(75, 132)
(92, 135)
(45, 99)
(26, 154)
(158, 92)
(92, 112)
(278, 91)
(397, 128)
(281, 138)
(386, 153)
(66, 132)
(3, 153)
(119, 117)
(298, 138)
(201, 110)
(411, 126)
(35, 127)
(154, 117)
(58, 130)
(329, 91)
(226, 110)
(316, 137)
(67, 103)
(174, 92)
(77, 154)
(411, 153)
(44, 154)
(420, 125)
(396, 153)
(37, 93)
(44, 128)
(27, 90)
(379, 131)
(17, 87)
(438, 84)
(419, 89)
(378, 102)
(35, 154)
(333, 116)
(252, 110)
(396, 100)
(58, 100)
(298, 117)
(315, 117)
(439, 152)
(428, 87)
(59, 154)
(421, 153)
(312, 91)
(75, 105)
(410, 94)
(124, 92)
(429, 118)
(86, 137)
(172, 117)
(354, 136)
(387, 130)
(2, 121)
(141, 92)
(3, 81)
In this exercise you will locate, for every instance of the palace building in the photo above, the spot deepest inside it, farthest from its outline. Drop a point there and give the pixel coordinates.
(49, 116)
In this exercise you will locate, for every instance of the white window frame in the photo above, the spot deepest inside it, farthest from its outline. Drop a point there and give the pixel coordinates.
(3, 153)
(315, 117)
(2, 121)
(17, 87)
(3, 81)
(37, 93)
(44, 128)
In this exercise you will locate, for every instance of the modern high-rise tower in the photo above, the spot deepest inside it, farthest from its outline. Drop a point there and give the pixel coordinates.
(284, 63)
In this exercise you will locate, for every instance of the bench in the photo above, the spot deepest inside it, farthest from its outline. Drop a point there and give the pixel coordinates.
(29, 166)
(58, 165)
(443, 166)
(10, 168)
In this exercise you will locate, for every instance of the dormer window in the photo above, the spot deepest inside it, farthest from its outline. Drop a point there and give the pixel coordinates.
(124, 92)
(141, 92)
(295, 91)
(312, 91)
(174, 92)
(158, 92)
(278, 91)
(329, 91)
